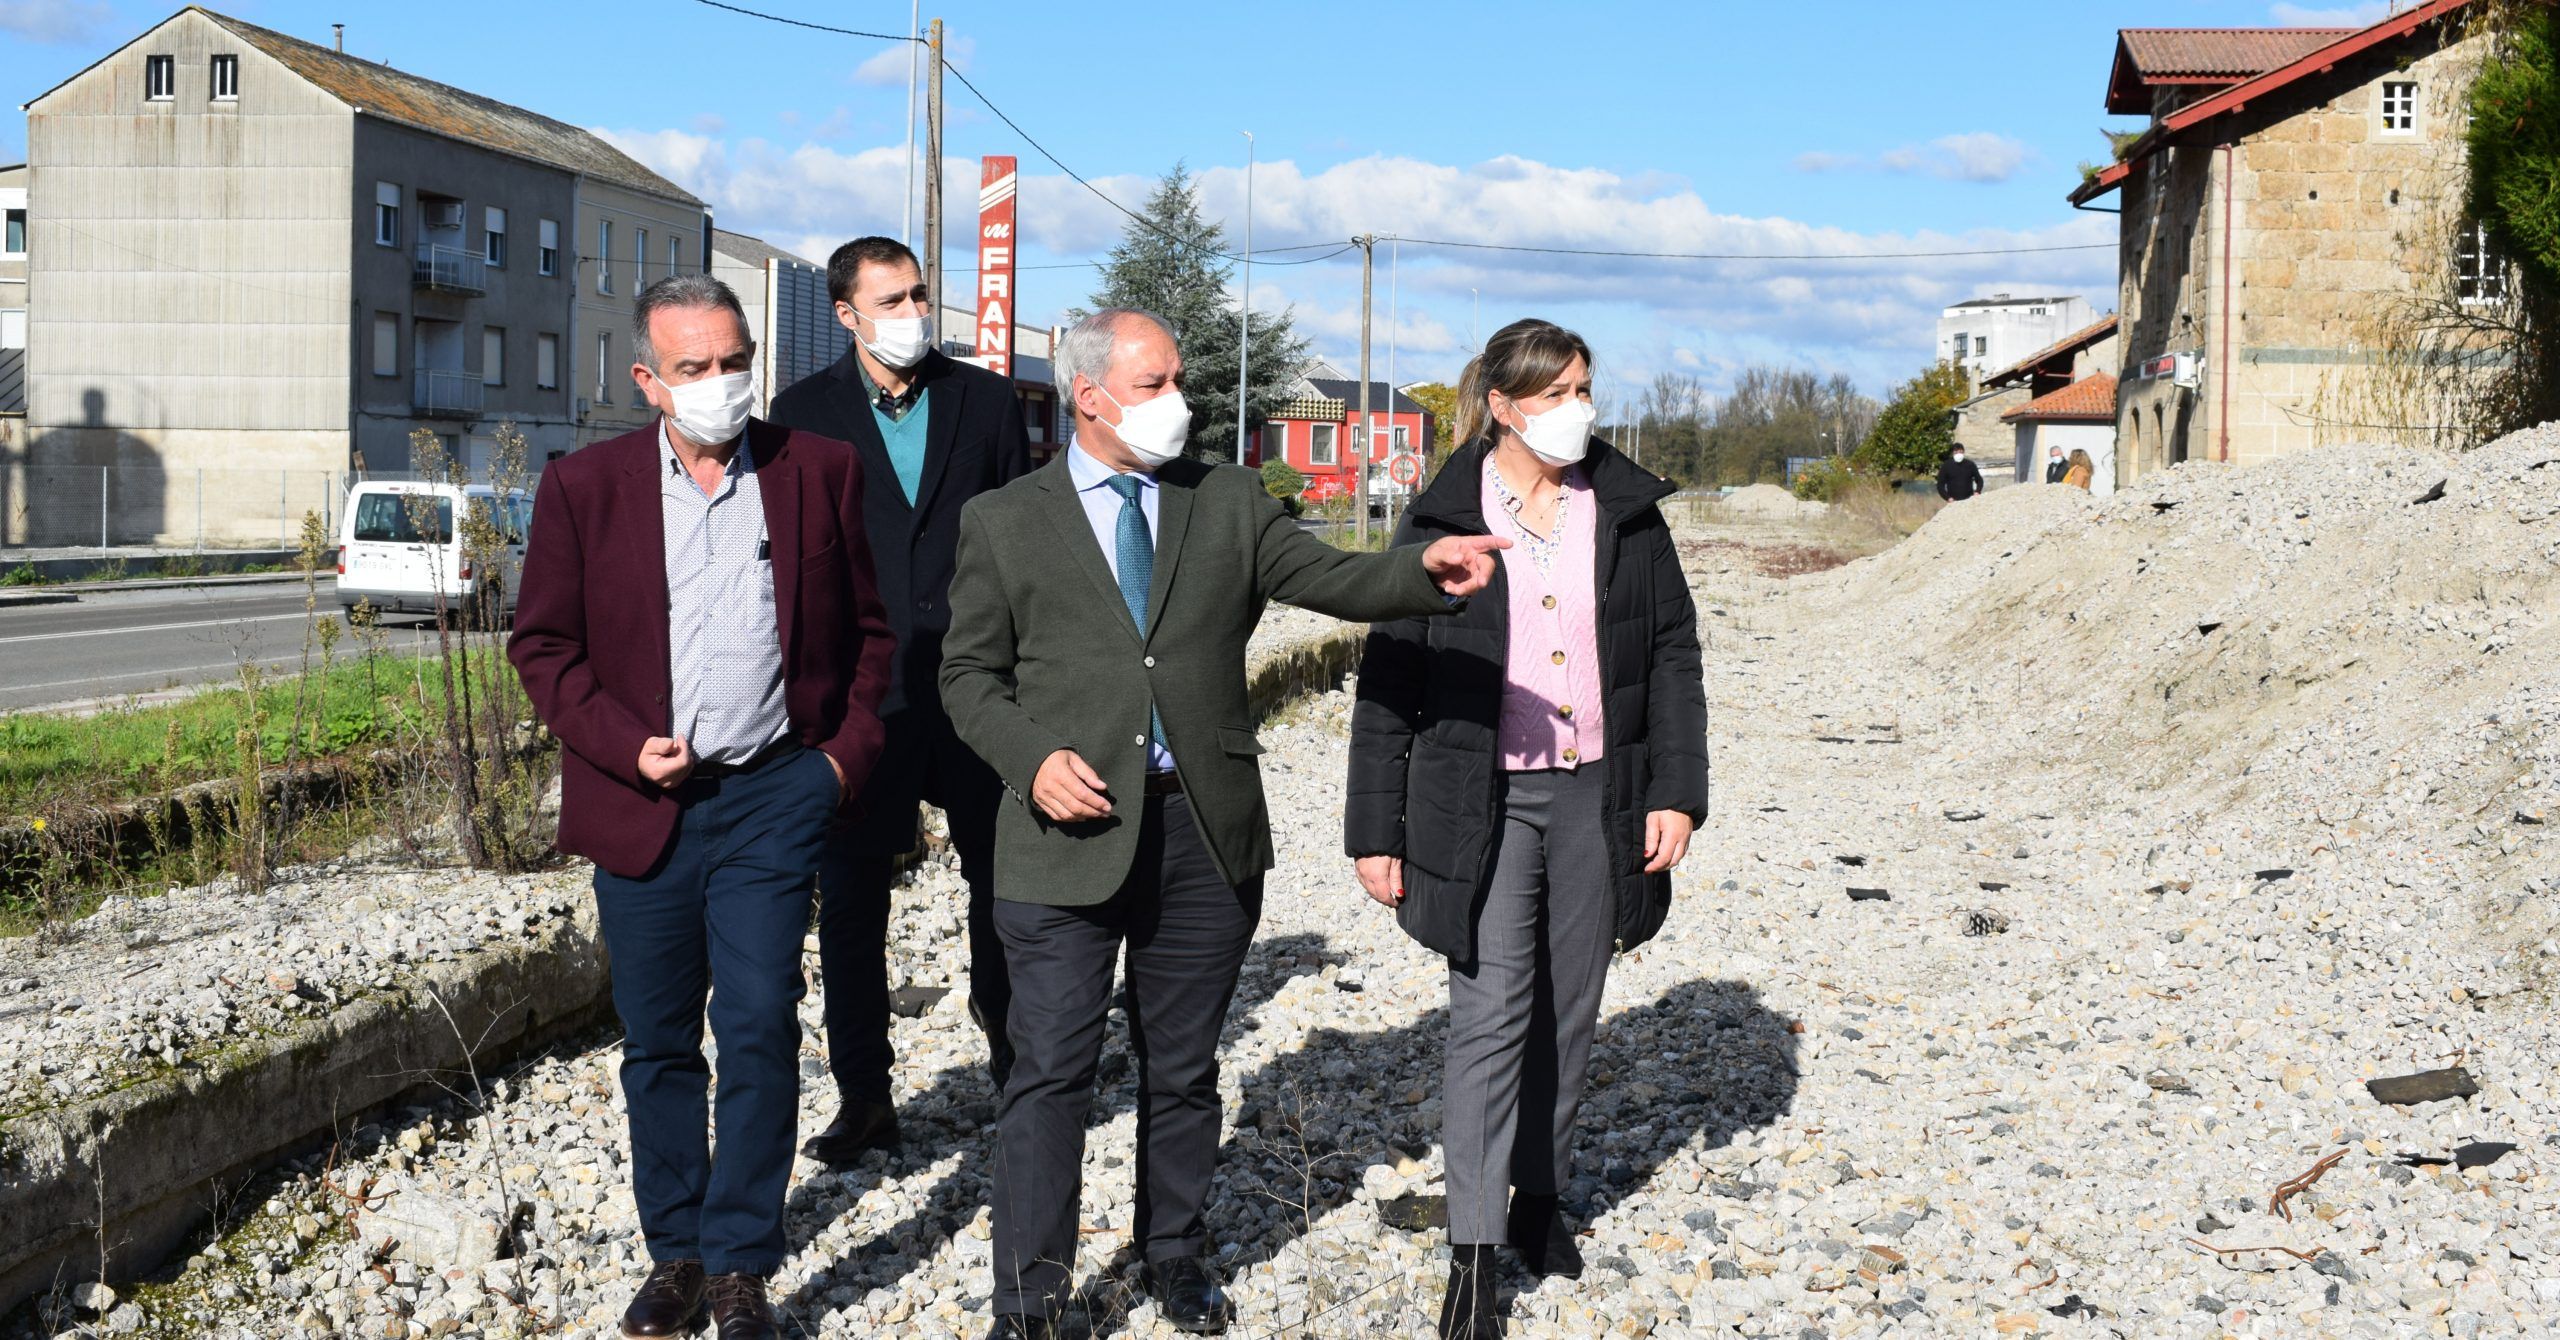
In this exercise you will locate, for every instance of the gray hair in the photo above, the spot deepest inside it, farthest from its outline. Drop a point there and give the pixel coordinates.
(675, 293)
(1085, 350)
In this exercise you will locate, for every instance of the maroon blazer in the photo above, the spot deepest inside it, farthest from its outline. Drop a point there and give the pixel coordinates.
(590, 637)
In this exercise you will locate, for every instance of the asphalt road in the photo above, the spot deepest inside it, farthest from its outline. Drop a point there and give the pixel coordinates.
(115, 645)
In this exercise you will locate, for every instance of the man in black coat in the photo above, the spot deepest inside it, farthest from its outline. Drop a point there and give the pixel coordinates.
(2056, 467)
(1958, 478)
(932, 433)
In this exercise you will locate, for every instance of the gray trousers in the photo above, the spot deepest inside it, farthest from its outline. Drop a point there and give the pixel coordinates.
(1521, 1017)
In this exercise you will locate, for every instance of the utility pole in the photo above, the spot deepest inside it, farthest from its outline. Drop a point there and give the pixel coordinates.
(1244, 334)
(907, 220)
(1368, 244)
(933, 176)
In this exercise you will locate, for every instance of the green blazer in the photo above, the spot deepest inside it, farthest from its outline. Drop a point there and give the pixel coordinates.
(1043, 656)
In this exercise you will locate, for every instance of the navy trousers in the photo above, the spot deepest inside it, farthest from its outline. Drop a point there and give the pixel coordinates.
(923, 762)
(1186, 930)
(721, 918)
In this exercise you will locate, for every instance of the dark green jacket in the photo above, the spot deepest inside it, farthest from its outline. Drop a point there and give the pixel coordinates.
(1043, 656)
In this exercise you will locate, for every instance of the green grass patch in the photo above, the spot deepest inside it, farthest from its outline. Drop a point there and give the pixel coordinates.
(367, 703)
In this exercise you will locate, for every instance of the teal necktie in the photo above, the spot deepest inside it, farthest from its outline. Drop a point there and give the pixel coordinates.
(1135, 555)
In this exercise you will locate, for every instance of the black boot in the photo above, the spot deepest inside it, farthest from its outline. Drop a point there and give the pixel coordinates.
(1469, 1311)
(1542, 1237)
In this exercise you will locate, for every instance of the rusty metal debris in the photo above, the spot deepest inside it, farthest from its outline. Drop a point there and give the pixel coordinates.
(2235, 1251)
(2296, 1186)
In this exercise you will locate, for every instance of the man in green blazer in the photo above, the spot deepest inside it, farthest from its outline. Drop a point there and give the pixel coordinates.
(1099, 616)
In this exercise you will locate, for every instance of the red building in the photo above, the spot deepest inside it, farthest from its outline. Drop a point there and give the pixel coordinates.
(1316, 432)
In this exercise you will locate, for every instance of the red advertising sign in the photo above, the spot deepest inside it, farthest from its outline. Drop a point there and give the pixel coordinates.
(995, 264)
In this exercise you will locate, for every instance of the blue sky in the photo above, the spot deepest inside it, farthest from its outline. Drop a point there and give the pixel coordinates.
(1822, 126)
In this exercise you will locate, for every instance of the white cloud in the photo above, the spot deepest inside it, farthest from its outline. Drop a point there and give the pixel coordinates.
(1837, 301)
(887, 67)
(1979, 156)
(56, 20)
(2337, 16)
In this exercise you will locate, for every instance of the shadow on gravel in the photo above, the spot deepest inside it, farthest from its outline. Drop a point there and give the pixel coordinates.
(955, 1114)
(1694, 1068)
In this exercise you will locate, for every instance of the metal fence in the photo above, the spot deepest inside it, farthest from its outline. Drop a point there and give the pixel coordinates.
(107, 506)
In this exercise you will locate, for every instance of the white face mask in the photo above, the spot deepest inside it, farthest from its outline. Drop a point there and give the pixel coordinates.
(714, 409)
(900, 341)
(1561, 436)
(1152, 430)
(1959, 458)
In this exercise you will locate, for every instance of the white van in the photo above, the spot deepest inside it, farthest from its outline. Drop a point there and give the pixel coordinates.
(398, 548)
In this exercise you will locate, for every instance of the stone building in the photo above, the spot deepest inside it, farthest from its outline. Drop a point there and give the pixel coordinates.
(2292, 183)
(1987, 426)
(257, 264)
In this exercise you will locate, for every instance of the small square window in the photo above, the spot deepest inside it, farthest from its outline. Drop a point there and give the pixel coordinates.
(2399, 106)
(159, 78)
(226, 78)
(1320, 444)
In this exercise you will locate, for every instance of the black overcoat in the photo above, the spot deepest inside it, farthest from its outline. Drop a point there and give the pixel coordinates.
(1426, 776)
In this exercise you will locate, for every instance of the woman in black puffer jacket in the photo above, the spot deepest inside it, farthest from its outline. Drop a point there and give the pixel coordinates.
(1525, 772)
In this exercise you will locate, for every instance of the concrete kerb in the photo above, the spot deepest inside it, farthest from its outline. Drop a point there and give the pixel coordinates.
(70, 591)
(146, 1157)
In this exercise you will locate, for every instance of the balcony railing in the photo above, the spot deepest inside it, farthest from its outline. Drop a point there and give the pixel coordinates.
(439, 394)
(449, 270)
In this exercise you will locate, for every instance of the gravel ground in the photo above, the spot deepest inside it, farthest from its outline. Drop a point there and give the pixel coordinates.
(2041, 936)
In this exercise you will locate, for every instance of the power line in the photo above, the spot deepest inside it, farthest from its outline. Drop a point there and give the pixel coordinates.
(1758, 256)
(817, 27)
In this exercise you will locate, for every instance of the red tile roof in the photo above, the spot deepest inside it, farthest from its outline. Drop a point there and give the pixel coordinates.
(2092, 399)
(2318, 61)
(2069, 344)
(2149, 56)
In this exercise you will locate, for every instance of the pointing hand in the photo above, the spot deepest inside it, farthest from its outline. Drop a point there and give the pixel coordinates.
(1462, 564)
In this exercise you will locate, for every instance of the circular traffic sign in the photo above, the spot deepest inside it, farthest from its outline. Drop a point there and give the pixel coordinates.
(1405, 469)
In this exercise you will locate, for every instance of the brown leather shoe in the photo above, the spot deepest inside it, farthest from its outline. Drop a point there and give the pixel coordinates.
(668, 1300)
(739, 1306)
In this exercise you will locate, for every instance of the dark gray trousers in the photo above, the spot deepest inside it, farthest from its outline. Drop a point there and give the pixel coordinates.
(1187, 931)
(1521, 1017)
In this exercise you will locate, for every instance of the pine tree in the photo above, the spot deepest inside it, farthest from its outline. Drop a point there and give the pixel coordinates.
(1172, 265)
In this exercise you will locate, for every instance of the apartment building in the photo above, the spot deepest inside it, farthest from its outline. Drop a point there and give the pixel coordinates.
(257, 256)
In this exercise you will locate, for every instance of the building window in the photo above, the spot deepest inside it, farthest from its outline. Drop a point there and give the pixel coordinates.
(226, 78)
(1962, 343)
(13, 328)
(1981, 345)
(386, 214)
(546, 362)
(604, 259)
(493, 356)
(386, 344)
(1275, 441)
(493, 248)
(2399, 106)
(604, 360)
(2479, 272)
(2035, 311)
(1320, 444)
(159, 78)
(14, 241)
(548, 259)
(1403, 439)
(639, 259)
(675, 256)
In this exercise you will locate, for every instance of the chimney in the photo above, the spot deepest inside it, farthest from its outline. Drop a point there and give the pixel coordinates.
(340, 30)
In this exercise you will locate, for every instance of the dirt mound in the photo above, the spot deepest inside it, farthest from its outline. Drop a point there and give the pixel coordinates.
(2331, 628)
(1768, 501)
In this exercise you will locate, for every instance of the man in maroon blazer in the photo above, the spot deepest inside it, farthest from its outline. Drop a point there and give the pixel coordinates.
(698, 623)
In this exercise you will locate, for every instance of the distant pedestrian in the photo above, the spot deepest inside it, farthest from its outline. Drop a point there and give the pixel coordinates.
(2080, 472)
(1958, 478)
(2055, 467)
(1524, 774)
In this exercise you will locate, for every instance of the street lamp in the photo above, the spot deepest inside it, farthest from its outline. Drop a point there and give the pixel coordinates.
(1244, 336)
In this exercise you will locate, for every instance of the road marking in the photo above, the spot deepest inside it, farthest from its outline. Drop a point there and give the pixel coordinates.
(148, 628)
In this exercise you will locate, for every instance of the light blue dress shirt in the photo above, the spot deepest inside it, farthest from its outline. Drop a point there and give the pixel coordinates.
(1102, 510)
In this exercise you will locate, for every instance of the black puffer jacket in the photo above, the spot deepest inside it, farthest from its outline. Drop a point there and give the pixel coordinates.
(1426, 773)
